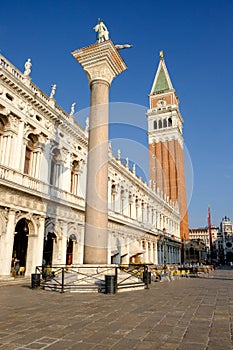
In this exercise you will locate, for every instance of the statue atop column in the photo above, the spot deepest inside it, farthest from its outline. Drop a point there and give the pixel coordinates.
(102, 31)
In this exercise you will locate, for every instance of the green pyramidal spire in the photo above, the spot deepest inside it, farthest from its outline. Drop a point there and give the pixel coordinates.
(161, 83)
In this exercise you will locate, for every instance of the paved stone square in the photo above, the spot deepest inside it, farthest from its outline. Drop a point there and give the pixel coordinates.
(185, 314)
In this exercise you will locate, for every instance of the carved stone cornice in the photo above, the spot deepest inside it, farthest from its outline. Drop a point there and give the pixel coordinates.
(28, 128)
(100, 61)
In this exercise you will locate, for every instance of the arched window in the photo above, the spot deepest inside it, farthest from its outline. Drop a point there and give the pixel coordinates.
(143, 210)
(70, 249)
(5, 142)
(52, 171)
(160, 124)
(169, 122)
(28, 154)
(122, 201)
(137, 206)
(55, 170)
(155, 124)
(165, 123)
(1, 126)
(74, 177)
(31, 161)
(130, 204)
(113, 195)
(191, 251)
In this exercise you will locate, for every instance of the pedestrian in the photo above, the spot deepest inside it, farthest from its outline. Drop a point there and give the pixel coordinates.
(17, 266)
(13, 266)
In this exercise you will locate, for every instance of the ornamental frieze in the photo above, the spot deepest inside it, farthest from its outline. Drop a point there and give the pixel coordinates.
(99, 72)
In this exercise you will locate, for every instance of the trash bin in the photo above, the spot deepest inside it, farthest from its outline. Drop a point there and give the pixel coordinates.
(110, 284)
(35, 280)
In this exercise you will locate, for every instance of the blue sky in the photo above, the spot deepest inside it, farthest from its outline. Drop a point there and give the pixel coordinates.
(197, 40)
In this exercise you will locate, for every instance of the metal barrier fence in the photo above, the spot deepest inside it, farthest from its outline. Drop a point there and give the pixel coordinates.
(102, 278)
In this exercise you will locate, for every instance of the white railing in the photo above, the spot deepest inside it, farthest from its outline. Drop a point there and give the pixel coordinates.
(124, 218)
(15, 178)
(10, 68)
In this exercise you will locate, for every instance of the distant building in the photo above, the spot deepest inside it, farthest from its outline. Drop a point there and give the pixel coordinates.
(224, 244)
(203, 234)
(194, 251)
(222, 240)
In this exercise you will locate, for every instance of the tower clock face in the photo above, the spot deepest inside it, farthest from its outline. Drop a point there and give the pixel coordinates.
(161, 102)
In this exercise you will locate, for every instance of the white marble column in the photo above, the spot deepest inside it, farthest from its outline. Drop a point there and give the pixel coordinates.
(19, 146)
(45, 165)
(39, 242)
(81, 251)
(76, 183)
(102, 62)
(3, 149)
(35, 245)
(7, 148)
(158, 220)
(14, 152)
(109, 194)
(146, 254)
(151, 252)
(59, 174)
(22, 160)
(63, 244)
(66, 176)
(6, 245)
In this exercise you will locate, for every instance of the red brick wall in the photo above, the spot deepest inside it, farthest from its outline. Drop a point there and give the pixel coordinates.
(169, 175)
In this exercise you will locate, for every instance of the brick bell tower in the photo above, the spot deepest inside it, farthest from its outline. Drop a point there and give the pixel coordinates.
(165, 140)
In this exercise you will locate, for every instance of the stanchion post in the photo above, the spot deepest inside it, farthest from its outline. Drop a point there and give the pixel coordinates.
(62, 280)
(146, 276)
(116, 275)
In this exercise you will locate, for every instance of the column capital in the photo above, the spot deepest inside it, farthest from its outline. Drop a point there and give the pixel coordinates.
(100, 61)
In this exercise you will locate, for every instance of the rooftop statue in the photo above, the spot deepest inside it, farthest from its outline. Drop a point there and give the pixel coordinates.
(102, 31)
(87, 124)
(72, 109)
(54, 86)
(27, 67)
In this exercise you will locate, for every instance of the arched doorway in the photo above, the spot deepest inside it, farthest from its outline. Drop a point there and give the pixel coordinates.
(69, 250)
(48, 248)
(19, 254)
